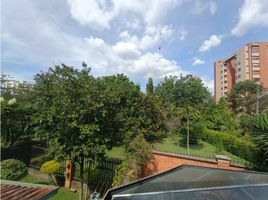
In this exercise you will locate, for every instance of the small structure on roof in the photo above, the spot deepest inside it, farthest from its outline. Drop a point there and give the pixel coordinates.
(197, 183)
(13, 190)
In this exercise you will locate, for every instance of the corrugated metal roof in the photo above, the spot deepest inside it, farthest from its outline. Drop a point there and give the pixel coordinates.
(11, 190)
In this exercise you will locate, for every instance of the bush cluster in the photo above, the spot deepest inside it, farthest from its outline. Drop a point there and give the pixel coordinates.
(50, 167)
(12, 169)
(241, 147)
(138, 154)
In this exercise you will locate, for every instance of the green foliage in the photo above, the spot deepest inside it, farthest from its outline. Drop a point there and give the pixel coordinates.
(190, 117)
(149, 121)
(243, 96)
(217, 117)
(50, 167)
(12, 169)
(138, 154)
(16, 111)
(71, 109)
(150, 86)
(183, 91)
(260, 134)
(240, 146)
(121, 102)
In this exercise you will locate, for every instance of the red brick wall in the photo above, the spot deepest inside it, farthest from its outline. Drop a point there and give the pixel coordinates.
(165, 161)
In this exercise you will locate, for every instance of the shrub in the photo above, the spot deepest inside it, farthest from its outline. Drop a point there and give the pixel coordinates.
(241, 147)
(138, 154)
(12, 169)
(49, 168)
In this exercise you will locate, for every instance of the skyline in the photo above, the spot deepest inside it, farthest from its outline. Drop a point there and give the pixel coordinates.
(151, 39)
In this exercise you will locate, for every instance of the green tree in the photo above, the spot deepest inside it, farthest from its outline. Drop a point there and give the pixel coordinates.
(70, 109)
(122, 98)
(190, 115)
(183, 91)
(217, 116)
(150, 86)
(243, 96)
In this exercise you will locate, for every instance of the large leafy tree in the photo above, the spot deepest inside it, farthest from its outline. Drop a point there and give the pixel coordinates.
(122, 98)
(70, 110)
(183, 91)
(243, 96)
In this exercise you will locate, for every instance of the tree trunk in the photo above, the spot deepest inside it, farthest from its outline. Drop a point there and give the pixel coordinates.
(81, 178)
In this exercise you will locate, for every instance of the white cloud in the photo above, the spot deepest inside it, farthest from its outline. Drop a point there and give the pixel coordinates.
(134, 24)
(98, 14)
(198, 61)
(200, 6)
(209, 83)
(95, 14)
(213, 41)
(253, 13)
(213, 7)
(183, 34)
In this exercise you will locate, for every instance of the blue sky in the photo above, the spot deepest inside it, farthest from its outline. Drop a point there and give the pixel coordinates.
(140, 38)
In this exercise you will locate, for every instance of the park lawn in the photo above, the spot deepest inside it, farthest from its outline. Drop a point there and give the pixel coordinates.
(62, 194)
(171, 144)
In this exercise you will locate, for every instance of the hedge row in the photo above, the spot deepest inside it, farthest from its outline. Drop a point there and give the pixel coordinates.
(240, 147)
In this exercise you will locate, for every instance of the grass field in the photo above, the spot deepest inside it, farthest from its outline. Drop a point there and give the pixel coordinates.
(62, 194)
(171, 144)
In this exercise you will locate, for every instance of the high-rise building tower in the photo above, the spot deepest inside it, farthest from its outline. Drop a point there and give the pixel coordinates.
(248, 63)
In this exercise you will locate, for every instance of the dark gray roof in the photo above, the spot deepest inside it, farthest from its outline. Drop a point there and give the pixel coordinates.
(193, 182)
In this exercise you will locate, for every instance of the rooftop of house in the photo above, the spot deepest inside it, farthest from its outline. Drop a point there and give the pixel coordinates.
(12, 190)
(194, 182)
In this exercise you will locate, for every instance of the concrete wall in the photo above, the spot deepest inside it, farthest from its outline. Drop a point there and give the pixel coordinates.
(164, 161)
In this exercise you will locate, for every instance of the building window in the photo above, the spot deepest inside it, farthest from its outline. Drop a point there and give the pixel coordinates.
(255, 57)
(255, 65)
(255, 49)
(256, 79)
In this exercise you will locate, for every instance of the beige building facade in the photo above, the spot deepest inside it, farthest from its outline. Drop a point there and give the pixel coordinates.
(248, 63)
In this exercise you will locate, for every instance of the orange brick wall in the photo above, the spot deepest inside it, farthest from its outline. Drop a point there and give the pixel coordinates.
(164, 161)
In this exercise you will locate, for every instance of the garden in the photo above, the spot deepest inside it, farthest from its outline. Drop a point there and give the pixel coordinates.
(108, 126)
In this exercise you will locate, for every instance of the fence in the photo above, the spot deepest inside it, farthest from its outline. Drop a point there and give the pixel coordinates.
(98, 175)
(201, 155)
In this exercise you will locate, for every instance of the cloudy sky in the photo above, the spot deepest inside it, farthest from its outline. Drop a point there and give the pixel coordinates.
(140, 38)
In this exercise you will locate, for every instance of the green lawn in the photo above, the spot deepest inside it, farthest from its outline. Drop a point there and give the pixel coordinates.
(34, 180)
(62, 194)
(65, 194)
(171, 144)
(116, 152)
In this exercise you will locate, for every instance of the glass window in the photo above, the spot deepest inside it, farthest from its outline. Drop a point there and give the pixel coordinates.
(255, 49)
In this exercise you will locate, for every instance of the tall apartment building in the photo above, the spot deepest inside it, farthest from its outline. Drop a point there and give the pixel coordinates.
(248, 63)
